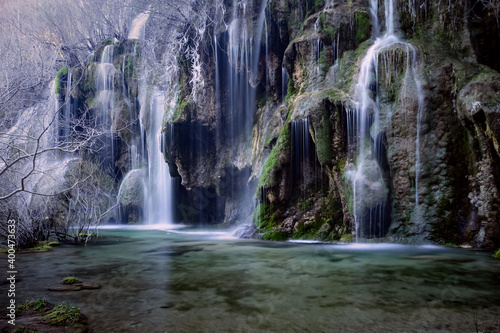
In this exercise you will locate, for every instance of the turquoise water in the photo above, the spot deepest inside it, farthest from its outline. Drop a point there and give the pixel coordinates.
(189, 281)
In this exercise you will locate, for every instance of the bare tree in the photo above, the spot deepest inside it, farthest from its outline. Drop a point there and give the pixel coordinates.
(89, 203)
(38, 38)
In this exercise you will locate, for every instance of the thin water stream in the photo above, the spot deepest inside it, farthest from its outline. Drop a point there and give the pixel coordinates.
(187, 280)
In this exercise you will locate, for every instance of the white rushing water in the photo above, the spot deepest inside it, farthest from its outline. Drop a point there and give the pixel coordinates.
(106, 96)
(365, 129)
(237, 68)
(159, 192)
(137, 28)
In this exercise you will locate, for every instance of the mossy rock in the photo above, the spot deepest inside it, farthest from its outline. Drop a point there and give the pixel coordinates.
(277, 158)
(70, 280)
(41, 247)
(62, 74)
(497, 254)
(263, 217)
(363, 27)
(347, 238)
(39, 315)
(276, 236)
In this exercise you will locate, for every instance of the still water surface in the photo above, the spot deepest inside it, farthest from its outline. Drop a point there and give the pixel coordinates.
(187, 280)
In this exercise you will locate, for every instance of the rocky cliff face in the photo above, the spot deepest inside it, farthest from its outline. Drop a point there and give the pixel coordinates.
(290, 145)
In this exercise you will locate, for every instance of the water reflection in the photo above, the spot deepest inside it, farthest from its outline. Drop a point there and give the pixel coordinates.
(189, 280)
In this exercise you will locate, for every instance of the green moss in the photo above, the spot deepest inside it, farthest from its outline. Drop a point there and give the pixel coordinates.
(263, 216)
(61, 72)
(38, 304)
(497, 254)
(341, 165)
(347, 66)
(276, 236)
(179, 109)
(70, 280)
(89, 78)
(276, 159)
(326, 29)
(308, 231)
(62, 314)
(346, 238)
(304, 205)
(362, 20)
(41, 247)
(323, 138)
(262, 99)
(54, 244)
(106, 42)
(290, 91)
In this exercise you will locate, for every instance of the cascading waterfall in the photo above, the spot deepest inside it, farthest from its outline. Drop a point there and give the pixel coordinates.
(237, 69)
(106, 95)
(304, 159)
(243, 59)
(148, 148)
(370, 191)
(159, 191)
(137, 28)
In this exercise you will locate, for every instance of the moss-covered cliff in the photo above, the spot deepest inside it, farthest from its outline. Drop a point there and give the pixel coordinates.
(294, 155)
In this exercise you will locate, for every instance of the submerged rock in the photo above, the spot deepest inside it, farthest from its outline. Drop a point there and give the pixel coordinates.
(244, 231)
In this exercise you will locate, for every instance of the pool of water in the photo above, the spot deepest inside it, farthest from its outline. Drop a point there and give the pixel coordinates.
(186, 280)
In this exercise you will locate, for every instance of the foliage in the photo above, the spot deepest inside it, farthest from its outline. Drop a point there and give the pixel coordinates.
(497, 254)
(70, 280)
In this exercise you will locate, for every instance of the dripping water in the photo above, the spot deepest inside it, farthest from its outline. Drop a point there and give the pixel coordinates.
(365, 133)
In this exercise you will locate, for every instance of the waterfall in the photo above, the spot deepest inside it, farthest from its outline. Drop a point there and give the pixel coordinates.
(137, 28)
(159, 192)
(105, 96)
(370, 192)
(237, 71)
(303, 152)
